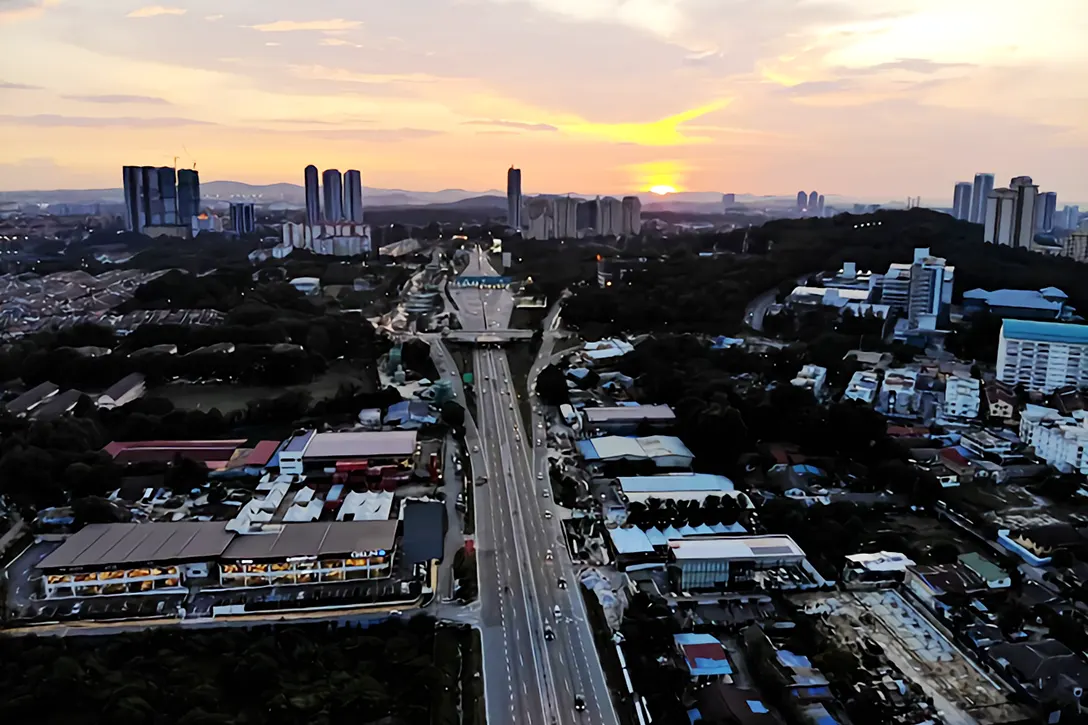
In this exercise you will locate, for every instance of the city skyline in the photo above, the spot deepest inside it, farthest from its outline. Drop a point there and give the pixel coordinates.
(737, 96)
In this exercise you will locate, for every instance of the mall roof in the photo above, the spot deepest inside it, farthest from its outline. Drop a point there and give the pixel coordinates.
(1036, 331)
(104, 545)
(736, 547)
(371, 443)
(673, 482)
(319, 538)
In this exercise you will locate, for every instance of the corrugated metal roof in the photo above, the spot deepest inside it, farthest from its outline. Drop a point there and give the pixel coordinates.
(104, 545)
(675, 482)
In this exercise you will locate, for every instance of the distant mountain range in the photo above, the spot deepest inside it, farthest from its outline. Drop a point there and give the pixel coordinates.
(286, 196)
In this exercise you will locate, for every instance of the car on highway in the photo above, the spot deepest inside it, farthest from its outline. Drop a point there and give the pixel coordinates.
(562, 583)
(511, 406)
(548, 555)
(549, 635)
(544, 493)
(540, 476)
(517, 438)
(556, 611)
(547, 514)
(475, 449)
(579, 703)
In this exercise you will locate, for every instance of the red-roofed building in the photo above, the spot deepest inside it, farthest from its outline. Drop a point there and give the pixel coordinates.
(216, 455)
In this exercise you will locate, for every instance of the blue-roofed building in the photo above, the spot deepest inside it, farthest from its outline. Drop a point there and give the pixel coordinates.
(1048, 303)
(1042, 356)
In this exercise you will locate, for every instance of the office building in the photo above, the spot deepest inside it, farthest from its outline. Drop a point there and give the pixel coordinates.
(802, 200)
(353, 197)
(895, 288)
(313, 198)
(1046, 210)
(813, 199)
(631, 221)
(1010, 214)
(980, 192)
(820, 205)
(1042, 356)
(961, 200)
(204, 222)
(931, 282)
(729, 200)
(588, 217)
(188, 195)
(333, 189)
(243, 217)
(513, 199)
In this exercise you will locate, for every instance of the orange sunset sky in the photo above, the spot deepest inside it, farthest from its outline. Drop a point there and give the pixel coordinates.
(875, 99)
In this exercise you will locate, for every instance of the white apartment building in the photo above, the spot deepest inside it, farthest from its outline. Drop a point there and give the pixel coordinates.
(896, 287)
(930, 289)
(1010, 214)
(962, 397)
(1042, 356)
(1061, 442)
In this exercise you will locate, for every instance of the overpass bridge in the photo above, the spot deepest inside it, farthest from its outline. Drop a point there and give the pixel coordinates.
(488, 337)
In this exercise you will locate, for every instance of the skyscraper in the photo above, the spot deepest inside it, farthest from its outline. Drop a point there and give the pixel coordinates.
(980, 192)
(565, 212)
(153, 182)
(820, 205)
(513, 199)
(631, 222)
(802, 200)
(243, 217)
(313, 198)
(353, 196)
(188, 195)
(1027, 197)
(813, 199)
(998, 219)
(1071, 216)
(1045, 211)
(961, 200)
(1010, 214)
(931, 281)
(729, 200)
(135, 213)
(334, 195)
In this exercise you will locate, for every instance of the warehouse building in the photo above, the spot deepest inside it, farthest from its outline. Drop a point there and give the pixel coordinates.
(663, 451)
(626, 419)
(679, 487)
(312, 451)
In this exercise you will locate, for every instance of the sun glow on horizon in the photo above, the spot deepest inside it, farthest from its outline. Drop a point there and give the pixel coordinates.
(662, 189)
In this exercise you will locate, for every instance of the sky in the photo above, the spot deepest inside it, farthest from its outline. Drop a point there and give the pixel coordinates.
(870, 99)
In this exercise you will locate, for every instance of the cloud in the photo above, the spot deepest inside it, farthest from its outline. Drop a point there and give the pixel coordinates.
(658, 17)
(521, 125)
(153, 11)
(334, 42)
(665, 132)
(816, 88)
(8, 86)
(52, 120)
(390, 135)
(213, 18)
(119, 99)
(912, 65)
(18, 10)
(291, 26)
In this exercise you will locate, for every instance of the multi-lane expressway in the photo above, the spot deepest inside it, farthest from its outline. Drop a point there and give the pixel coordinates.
(539, 667)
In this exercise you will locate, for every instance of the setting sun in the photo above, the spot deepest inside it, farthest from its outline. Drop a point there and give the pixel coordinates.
(662, 189)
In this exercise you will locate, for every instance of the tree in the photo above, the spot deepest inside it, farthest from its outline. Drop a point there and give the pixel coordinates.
(97, 510)
(453, 414)
(551, 386)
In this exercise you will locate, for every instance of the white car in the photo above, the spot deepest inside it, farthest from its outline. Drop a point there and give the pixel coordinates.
(556, 611)
(547, 514)
(475, 449)
(544, 493)
(540, 476)
(548, 555)
(511, 406)
(517, 438)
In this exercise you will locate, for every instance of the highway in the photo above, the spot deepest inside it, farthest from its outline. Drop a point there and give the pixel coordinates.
(527, 679)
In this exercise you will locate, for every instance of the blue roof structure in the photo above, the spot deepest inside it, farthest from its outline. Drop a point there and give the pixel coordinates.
(629, 540)
(1035, 331)
(633, 449)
